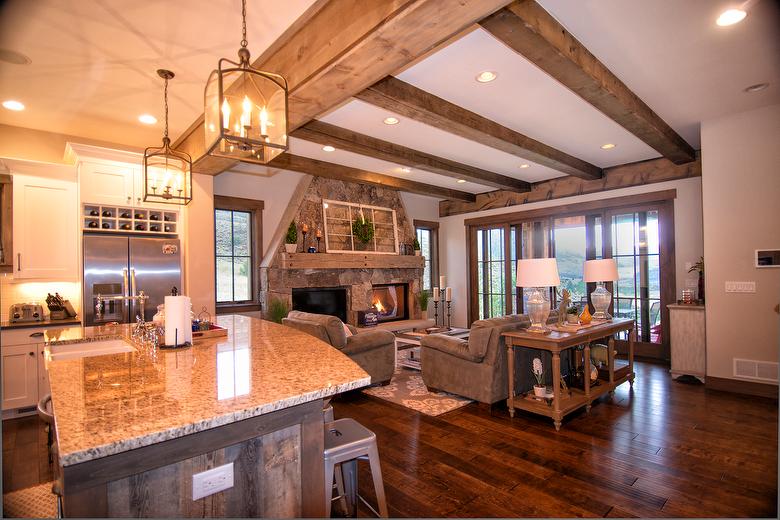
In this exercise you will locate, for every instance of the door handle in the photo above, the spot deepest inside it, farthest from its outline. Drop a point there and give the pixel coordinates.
(18, 261)
(36, 334)
(32, 353)
(132, 278)
(124, 282)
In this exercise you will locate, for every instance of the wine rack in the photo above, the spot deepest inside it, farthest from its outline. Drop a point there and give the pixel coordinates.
(125, 219)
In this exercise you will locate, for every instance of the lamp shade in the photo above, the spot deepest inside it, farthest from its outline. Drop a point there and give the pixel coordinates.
(537, 272)
(600, 270)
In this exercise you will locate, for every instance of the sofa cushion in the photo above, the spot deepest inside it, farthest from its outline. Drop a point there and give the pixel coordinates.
(454, 346)
(334, 327)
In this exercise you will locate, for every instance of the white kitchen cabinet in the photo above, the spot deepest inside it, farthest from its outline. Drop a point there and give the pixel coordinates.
(107, 183)
(45, 228)
(20, 376)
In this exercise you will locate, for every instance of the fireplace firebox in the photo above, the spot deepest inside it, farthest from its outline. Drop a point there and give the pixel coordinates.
(390, 301)
(326, 300)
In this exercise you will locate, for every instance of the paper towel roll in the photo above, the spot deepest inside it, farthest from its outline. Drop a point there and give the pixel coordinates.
(178, 326)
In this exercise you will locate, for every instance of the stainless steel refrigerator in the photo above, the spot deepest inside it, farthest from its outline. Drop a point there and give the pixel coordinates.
(124, 266)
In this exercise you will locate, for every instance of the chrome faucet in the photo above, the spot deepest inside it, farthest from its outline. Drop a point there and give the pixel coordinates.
(101, 303)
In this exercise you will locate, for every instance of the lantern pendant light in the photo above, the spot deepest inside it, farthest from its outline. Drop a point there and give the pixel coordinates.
(167, 172)
(245, 109)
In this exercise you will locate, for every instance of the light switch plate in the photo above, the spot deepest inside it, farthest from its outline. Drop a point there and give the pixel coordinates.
(212, 481)
(740, 287)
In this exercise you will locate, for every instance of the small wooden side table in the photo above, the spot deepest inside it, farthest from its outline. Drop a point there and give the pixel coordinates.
(556, 342)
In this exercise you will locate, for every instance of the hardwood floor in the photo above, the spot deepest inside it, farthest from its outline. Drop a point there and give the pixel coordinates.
(665, 449)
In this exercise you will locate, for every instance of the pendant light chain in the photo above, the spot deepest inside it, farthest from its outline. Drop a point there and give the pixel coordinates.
(166, 108)
(244, 43)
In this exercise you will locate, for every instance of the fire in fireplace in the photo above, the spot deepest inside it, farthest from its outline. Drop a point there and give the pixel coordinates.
(390, 301)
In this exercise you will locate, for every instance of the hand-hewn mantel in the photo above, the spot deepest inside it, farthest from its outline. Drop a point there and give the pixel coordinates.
(349, 261)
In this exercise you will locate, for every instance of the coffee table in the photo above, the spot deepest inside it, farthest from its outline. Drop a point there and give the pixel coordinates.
(411, 341)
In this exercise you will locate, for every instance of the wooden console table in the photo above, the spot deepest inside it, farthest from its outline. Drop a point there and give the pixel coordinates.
(556, 342)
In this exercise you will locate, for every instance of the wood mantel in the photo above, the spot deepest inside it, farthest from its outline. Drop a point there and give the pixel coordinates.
(350, 261)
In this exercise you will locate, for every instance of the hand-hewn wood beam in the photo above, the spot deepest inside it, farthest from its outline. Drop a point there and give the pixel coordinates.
(344, 139)
(405, 99)
(527, 28)
(339, 172)
(339, 47)
(623, 176)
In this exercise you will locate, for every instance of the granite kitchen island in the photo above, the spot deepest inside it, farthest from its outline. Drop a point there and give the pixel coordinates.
(133, 428)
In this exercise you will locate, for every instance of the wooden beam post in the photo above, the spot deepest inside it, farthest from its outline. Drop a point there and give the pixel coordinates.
(527, 28)
(405, 99)
(339, 172)
(616, 177)
(340, 47)
(344, 139)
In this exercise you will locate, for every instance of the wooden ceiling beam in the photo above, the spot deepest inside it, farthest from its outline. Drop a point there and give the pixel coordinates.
(344, 139)
(407, 100)
(340, 172)
(532, 32)
(340, 47)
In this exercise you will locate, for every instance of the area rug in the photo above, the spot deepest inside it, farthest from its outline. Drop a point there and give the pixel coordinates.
(408, 389)
(32, 502)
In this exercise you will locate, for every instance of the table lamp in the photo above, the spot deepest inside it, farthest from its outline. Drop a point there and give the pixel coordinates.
(600, 271)
(538, 274)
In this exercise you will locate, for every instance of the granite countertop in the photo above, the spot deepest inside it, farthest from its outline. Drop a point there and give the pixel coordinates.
(108, 404)
(67, 322)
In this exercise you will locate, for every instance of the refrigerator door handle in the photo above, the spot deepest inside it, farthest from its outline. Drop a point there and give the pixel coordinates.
(124, 282)
(132, 278)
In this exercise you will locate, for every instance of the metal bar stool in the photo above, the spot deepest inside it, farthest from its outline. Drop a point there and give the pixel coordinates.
(346, 441)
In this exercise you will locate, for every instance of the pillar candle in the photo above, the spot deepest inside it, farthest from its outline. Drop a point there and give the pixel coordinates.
(305, 228)
(318, 234)
(442, 282)
(435, 294)
(448, 294)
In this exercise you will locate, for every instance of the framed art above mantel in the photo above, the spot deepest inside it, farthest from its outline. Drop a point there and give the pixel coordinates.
(359, 228)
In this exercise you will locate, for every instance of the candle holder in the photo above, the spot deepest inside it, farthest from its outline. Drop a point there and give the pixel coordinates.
(436, 313)
(449, 318)
(442, 298)
(303, 244)
(318, 244)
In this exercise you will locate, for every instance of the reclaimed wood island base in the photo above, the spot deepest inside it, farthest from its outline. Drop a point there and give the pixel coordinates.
(132, 429)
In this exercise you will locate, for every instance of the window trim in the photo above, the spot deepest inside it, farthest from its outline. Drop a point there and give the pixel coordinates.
(255, 207)
(433, 227)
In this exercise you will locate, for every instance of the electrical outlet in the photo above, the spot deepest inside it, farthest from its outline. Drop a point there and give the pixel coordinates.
(740, 287)
(212, 481)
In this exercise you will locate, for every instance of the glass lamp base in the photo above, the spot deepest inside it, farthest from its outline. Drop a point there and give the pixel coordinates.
(601, 298)
(538, 306)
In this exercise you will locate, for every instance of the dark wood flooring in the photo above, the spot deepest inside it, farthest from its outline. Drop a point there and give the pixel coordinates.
(25, 456)
(665, 449)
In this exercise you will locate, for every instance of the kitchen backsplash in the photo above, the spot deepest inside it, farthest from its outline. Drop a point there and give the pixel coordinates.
(26, 292)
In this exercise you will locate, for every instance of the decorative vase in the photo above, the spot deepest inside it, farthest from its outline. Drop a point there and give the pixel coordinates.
(290, 248)
(540, 391)
(572, 319)
(585, 317)
(417, 252)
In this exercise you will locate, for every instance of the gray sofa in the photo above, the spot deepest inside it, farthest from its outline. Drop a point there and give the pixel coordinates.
(477, 368)
(373, 350)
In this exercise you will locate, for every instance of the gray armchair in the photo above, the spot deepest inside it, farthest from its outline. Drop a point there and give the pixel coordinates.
(475, 368)
(373, 350)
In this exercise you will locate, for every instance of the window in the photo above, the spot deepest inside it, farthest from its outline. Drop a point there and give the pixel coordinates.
(491, 273)
(428, 235)
(238, 243)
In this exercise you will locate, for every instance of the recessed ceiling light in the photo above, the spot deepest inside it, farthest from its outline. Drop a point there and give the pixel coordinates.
(730, 17)
(147, 119)
(12, 104)
(607, 146)
(524, 165)
(391, 121)
(461, 181)
(406, 170)
(486, 76)
(328, 148)
(756, 88)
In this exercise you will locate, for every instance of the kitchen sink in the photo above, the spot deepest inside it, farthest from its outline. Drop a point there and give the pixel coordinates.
(89, 349)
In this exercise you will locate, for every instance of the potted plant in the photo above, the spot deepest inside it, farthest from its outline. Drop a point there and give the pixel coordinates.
(416, 246)
(423, 299)
(291, 240)
(363, 229)
(699, 267)
(277, 309)
(573, 315)
(538, 371)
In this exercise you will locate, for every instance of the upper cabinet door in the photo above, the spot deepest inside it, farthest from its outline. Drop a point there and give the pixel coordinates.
(111, 184)
(45, 227)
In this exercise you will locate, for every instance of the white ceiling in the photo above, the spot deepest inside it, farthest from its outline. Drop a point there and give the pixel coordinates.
(94, 61)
